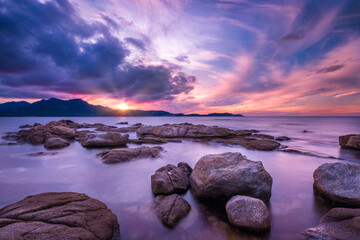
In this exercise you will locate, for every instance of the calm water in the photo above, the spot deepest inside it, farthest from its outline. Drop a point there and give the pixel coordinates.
(125, 187)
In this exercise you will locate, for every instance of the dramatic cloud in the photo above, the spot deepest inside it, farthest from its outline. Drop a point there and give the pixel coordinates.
(47, 47)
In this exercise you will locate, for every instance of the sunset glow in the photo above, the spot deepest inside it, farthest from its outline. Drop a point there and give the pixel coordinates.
(250, 57)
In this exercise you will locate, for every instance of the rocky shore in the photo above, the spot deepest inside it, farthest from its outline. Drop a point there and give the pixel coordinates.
(239, 186)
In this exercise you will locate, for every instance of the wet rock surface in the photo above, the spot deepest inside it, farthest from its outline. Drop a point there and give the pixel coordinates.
(338, 183)
(56, 143)
(127, 154)
(109, 139)
(230, 174)
(248, 213)
(171, 179)
(250, 143)
(171, 209)
(282, 138)
(337, 224)
(185, 130)
(58, 216)
(351, 141)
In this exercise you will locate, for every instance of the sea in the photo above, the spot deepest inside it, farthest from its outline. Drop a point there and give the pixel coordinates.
(126, 189)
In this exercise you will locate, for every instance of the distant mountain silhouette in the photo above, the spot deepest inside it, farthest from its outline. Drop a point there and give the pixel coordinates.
(78, 107)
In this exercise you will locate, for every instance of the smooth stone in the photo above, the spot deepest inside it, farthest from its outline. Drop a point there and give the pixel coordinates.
(337, 224)
(248, 213)
(230, 174)
(351, 141)
(58, 216)
(250, 143)
(64, 131)
(282, 138)
(109, 139)
(171, 209)
(263, 136)
(56, 142)
(127, 154)
(171, 179)
(338, 183)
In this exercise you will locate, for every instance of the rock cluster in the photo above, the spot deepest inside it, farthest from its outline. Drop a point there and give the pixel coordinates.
(65, 215)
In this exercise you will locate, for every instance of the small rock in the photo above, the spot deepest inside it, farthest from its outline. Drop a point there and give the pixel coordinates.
(283, 138)
(263, 136)
(42, 154)
(249, 213)
(250, 143)
(351, 141)
(337, 224)
(338, 183)
(122, 123)
(55, 143)
(171, 179)
(171, 209)
(127, 154)
(25, 126)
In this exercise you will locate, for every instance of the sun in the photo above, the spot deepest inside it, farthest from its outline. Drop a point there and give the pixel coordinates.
(123, 106)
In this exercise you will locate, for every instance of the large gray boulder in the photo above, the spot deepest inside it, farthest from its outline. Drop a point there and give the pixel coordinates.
(58, 216)
(337, 224)
(184, 130)
(171, 179)
(338, 183)
(230, 174)
(109, 139)
(248, 213)
(56, 142)
(171, 209)
(351, 141)
(127, 154)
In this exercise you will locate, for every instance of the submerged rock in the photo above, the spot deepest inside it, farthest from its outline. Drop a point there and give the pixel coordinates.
(25, 126)
(282, 138)
(153, 140)
(250, 143)
(56, 142)
(184, 130)
(128, 154)
(109, 139)
(248, 213)
(171, 179)
(338, 223)
(263, 136)
(171, 209)
(230, 174)
(58, 216)
(338, 183)
(351, 141)
(122, 123)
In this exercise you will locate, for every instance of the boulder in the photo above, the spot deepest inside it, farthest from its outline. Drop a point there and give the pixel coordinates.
(58, 216)
(56, 142)
(64, 131)
(230, 174)
(127, 154)
(351, 141)
(248, 213)
(338, 183)
(109, 139)
(25, 126)
(185, 130)
(250, 143)
(337, 224)
(243, 132)
(171, 179)
(171, 209)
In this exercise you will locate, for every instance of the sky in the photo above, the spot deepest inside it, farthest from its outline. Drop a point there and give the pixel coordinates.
(191, 56)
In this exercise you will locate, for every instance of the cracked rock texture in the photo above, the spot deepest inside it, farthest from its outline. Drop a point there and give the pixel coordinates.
(171, 179)
(55, 216)
(171, 209)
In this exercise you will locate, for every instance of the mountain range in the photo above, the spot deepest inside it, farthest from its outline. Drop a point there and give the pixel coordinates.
(78, 107)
